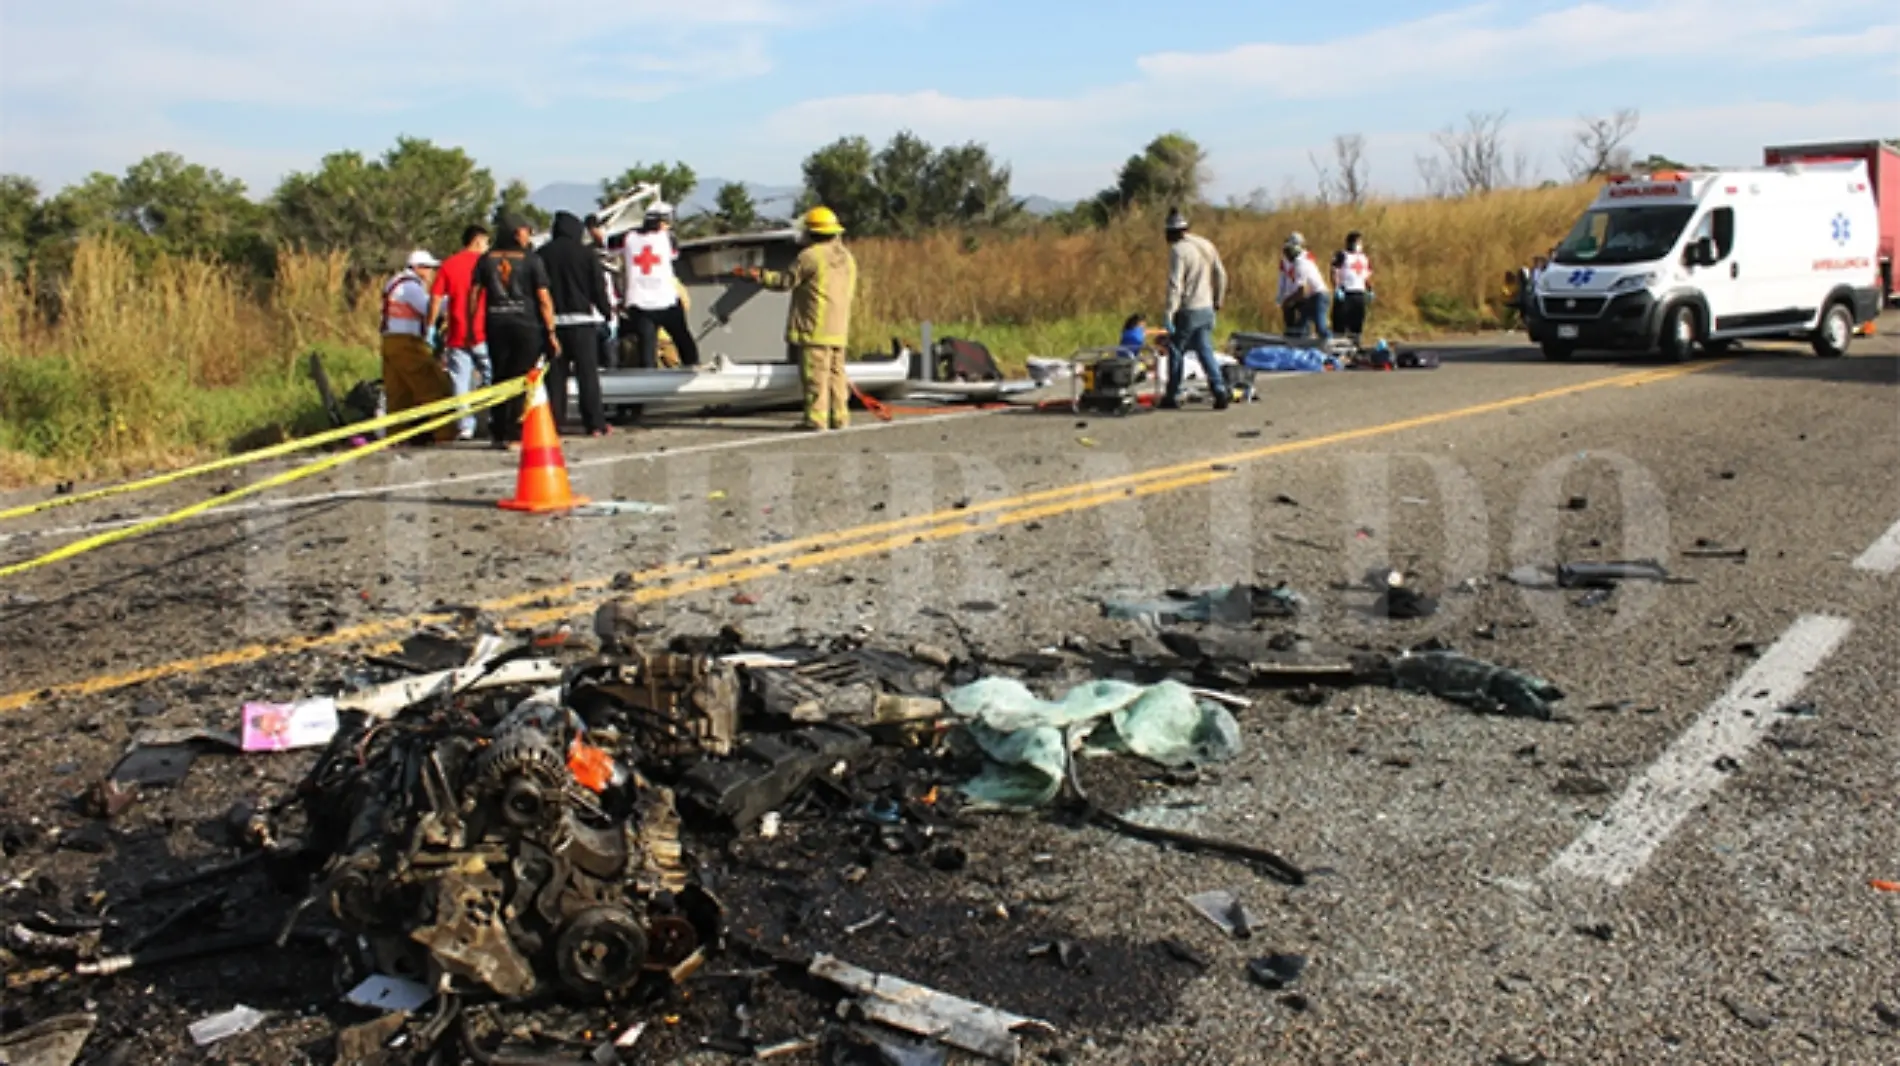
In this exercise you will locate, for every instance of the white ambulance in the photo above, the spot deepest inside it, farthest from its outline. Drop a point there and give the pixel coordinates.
(1674, 261)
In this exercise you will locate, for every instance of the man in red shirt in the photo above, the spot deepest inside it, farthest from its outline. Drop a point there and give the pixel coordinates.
(464, 343)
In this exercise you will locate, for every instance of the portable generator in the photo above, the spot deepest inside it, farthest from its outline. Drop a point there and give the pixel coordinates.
(1108, 385)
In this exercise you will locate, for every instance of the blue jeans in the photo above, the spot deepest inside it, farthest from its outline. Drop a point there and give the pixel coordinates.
(469, 370)
(1193, 329)
(1315, 312)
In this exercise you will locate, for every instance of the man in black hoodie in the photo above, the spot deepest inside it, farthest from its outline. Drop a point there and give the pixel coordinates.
(578, 286)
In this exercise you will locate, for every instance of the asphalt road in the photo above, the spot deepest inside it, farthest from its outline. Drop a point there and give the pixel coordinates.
(1676, 871)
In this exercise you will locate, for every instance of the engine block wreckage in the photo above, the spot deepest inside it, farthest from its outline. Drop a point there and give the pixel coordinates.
(529, 851)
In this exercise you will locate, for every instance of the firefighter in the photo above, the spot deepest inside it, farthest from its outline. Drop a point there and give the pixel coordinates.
(822, 282)
(412, 376)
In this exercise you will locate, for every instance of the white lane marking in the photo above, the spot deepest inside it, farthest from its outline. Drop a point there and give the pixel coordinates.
(494, 475)
(1655, 804)
(1883, 556)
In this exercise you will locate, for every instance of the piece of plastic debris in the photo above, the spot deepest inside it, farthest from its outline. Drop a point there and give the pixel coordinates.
(592, 767)
(612, 508)
(1231, 605)
(865, 1047)
(56, 1041)
(285, 727)
(631, 1036)
(155, 765)
(1607, 575)
(913, 1008)
(1180, 951)
(769, 825)
(1022, 737)
(716, 494)
(1086, 442)
(1885, 886)
(396, 994)
(788, 1047)
(744, 599)
(1479, 685)
(1226, 911)
(1532, 577)
(387, 701)
(240, 1019)
(1276, 971)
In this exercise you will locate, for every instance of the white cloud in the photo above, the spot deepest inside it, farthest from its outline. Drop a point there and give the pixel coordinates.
(86, 86)
(1583, 50)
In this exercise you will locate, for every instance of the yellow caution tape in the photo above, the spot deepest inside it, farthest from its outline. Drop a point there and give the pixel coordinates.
(80, 547)
(471, 401)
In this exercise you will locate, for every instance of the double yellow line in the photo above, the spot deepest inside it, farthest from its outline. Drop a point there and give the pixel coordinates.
(683, 578)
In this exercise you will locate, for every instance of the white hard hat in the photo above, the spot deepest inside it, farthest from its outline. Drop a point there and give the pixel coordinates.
(421, 258)
(660, 209)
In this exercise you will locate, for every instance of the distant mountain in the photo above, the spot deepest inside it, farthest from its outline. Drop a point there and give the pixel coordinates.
(1042, 206)
(575, 196)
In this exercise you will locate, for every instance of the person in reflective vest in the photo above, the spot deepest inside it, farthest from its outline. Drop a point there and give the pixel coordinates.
(411, 374)
(822, 282)
(1352, 287)
(653, 301)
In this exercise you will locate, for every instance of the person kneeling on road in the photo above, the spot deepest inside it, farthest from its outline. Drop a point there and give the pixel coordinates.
(1197, 287)
(411, 375)
(822, 282)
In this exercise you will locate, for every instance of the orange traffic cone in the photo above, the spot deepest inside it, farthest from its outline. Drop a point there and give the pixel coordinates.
(541, 485)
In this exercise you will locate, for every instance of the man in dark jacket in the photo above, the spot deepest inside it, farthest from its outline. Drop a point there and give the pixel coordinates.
(578, 286)
(519, 318)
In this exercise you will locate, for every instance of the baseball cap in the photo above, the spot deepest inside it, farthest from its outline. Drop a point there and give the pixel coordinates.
(421, 258)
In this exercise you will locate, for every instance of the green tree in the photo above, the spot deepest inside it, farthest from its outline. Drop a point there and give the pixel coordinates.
(515, 202)
(416, 195)
(733, 209)
(19, 202)
(1656, 161)
(841, 176)
(676, 182)
(902, 174)
(1170, 172)
(965, 186)
(88, 208)
(186, 209)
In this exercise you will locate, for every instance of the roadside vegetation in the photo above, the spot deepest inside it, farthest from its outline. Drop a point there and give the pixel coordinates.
(158, 317)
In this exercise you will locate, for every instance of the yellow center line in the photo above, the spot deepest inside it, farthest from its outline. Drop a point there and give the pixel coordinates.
(723, 571)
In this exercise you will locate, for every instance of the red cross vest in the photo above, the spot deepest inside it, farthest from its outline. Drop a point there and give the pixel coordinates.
(649, 271)
(1355, 272)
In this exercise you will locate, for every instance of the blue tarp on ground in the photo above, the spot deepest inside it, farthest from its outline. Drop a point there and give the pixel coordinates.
(1274, 359)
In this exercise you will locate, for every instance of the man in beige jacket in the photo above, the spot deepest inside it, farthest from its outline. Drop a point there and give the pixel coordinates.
(1197, 287)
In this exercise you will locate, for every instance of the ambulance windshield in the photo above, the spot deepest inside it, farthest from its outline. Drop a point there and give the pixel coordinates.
(1624, 235)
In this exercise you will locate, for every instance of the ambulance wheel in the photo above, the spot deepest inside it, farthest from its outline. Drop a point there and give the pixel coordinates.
(1835, 332)
(1557, 353)
(1678, 334)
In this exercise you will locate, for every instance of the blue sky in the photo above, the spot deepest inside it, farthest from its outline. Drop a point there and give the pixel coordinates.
(570, 91)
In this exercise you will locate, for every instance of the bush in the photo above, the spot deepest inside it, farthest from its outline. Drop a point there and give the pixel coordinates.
(165, 363)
